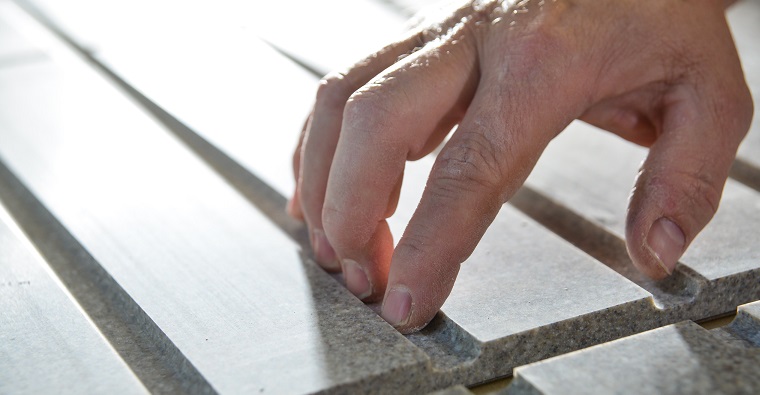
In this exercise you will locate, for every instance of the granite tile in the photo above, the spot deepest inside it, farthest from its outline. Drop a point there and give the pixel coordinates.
(229, 290)
(744, 330)
(525, 295)
(47, 344)
(678, 359)
(454, 390)
(723, 260)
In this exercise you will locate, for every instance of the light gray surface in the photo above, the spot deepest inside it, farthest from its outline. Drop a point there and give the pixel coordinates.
(414, 6)
(677, 359)
(743, 18)
(544, 279)
(253, 107)
(222, 282)
(591, 172)
(587, 174)
(14, 48)
(328, 34)
(524, 295)
(47, 344)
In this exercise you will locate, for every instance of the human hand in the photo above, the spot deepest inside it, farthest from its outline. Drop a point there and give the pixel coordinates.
(663, 74)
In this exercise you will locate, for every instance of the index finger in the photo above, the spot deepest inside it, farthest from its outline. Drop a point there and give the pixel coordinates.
(389, 120)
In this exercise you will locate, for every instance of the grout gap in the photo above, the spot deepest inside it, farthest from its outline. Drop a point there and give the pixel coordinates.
(745, 173)
(312, 69)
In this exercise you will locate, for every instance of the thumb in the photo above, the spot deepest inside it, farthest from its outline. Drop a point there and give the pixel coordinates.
(680, 183)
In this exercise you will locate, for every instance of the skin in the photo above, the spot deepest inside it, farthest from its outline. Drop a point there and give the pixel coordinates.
(663, 74)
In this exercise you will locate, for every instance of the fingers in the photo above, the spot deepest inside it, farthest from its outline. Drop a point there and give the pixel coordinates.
(628, 116)
(508, 124)
(294, 204)
(321, 137)
(390, 120)
(482, 165)
(680, 183)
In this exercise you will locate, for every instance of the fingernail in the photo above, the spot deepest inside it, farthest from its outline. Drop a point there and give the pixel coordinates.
(666, 241)
(323, 251)
(356, 279)
(397, 305)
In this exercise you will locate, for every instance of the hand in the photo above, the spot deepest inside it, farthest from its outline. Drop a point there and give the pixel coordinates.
(663, 74)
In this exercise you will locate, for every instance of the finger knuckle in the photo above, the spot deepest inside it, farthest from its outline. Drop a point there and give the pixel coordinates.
(472, 164)
(702, 193)
(370, 111)
(334, 90)
(733, 109)
(417, 240)
(341, 230)
(697, 196)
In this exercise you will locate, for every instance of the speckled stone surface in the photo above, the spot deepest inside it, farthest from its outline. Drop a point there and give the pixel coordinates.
(454, 390)
(523, 296)
(47, 344)
(678, 359)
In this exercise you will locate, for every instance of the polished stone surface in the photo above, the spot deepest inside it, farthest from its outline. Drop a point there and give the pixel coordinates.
(525, 295)
(318, 33)
(723, 260)
(229, 290)
(678, 359)
(47, 343)
(150, 217)
(14, 48)
(597, 187)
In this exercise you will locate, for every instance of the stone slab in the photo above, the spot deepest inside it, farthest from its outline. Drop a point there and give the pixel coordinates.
(549, 314)
(597, 188)
(513, 260)
(411, 7)
(523, 295)
(541, 312)
(678, 359)
(454, 390)
(327, 35)
(253, 107)
(231, 291)
(47, 344)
